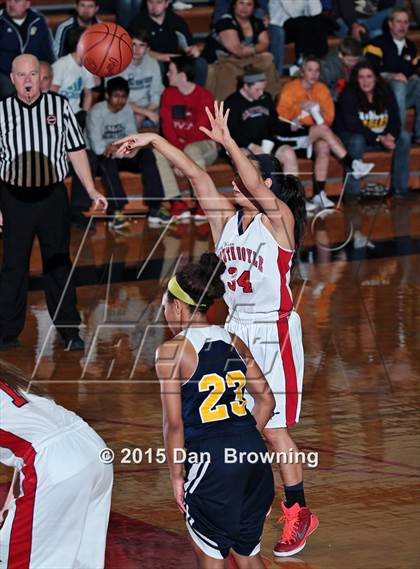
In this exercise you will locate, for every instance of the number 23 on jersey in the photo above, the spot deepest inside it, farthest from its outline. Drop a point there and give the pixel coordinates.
(210, 409)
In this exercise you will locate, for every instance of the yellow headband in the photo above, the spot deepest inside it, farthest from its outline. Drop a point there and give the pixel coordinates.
(175, 289)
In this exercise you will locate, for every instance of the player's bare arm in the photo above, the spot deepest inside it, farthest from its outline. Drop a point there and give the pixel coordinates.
(174, 361)
(280, 218)
(217, 207)
(257, 385)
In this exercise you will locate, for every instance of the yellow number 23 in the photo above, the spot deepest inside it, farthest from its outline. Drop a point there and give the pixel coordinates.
(210, 410)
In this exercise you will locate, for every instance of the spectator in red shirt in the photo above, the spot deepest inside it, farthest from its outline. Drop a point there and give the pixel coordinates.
(182, 112)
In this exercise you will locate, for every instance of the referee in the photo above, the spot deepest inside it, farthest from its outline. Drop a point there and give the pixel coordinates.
(38, 132)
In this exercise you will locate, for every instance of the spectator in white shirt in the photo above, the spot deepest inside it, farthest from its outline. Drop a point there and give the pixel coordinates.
(72, 80)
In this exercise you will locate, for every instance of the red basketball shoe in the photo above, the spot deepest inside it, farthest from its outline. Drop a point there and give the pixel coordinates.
(180, 211)
(299, 523)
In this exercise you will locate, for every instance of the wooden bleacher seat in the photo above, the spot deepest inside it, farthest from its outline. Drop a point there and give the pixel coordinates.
(222, 175)
(54, 20)
(199, 21)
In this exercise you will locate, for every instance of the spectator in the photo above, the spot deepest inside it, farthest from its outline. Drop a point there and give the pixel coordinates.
(307, 104)
(182, 112)
(362, 20)
(222, 7)
(85, 16)
(106, 122)
(144, 79)
(43, 135)
(45, 76)
(238, 39)
(22, 30)
(290, 22)
(253, 119)
(336, 66)
(73, 80)
(169, 35)
(397, 59)
(126, 10)
(416, 9)
(368, 119)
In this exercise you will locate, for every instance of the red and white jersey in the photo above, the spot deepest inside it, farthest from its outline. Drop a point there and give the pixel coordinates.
(257, 272)
(28, 421)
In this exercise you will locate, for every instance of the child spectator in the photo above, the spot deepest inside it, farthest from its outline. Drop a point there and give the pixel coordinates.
(182, 112)
(337, 65)
(253, 119)
(368, 118)
(144, 79)
(73, 80)
(85, 16)
(108, 121)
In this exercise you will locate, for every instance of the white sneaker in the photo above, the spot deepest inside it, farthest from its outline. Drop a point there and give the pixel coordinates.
(181, 6)
(361, 169)
(322, 201)
(361, 241)
(310, 207)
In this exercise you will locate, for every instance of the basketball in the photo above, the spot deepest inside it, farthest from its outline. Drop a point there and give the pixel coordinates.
(105, 49)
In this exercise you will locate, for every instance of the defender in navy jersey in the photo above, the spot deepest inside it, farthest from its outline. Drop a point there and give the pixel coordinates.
(203, 372)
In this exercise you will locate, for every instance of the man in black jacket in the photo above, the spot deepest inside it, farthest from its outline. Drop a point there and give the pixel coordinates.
(397, 59)
(85, 16)
(22, 30)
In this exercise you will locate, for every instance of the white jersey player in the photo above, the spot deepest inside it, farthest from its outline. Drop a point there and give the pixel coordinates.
(57, 514)
(257, 245)
(261, 311)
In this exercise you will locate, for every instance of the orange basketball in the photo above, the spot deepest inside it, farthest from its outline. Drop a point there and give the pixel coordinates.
(105, 49)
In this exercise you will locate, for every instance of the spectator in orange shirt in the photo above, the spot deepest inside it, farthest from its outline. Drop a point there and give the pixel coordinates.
(306, 107)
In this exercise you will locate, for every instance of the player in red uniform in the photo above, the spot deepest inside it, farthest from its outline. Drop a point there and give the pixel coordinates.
(58, 509)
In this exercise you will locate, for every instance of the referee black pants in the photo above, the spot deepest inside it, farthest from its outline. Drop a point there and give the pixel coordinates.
(43, 213)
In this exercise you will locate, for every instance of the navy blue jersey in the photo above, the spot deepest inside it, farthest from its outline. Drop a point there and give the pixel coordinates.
(212, 399)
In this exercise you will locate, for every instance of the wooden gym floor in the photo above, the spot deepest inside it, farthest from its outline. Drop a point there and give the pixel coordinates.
(360, 310)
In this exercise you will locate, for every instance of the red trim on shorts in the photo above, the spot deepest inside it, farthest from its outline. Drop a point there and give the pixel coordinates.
(286, 306)
(20, 545)
(291, 391)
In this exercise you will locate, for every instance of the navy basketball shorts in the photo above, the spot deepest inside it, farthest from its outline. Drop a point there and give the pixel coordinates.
(227, 500)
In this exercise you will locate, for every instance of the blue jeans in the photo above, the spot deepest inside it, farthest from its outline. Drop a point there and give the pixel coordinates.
(356, 146)
(277, 40)
(408, 95)
(374, 24)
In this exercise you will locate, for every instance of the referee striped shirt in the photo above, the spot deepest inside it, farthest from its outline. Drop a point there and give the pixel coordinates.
(35, 139)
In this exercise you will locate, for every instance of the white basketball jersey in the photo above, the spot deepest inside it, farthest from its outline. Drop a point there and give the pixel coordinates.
(26, 421)
(257, 272)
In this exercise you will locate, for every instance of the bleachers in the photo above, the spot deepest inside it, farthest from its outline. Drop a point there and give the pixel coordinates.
(199, 20)
(222, 175)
